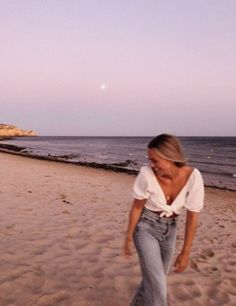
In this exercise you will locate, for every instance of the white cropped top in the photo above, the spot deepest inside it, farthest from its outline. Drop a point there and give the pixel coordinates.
(191, 195)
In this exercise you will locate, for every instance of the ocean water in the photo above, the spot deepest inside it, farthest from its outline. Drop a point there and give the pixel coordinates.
(215, 157)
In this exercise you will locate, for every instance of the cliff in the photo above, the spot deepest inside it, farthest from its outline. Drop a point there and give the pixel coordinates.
(7, 130)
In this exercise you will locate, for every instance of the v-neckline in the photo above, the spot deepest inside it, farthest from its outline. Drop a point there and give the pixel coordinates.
(163, 194)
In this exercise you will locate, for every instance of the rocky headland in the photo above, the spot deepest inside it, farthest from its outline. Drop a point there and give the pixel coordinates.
(7, 130)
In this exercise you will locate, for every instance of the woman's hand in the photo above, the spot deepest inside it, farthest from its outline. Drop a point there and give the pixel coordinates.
(127, 247)
(134, 216)
(181, 262)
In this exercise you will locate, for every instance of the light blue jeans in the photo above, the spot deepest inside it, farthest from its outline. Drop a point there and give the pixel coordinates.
(154, 239)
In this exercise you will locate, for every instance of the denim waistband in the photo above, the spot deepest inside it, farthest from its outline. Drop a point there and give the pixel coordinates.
(153, 216)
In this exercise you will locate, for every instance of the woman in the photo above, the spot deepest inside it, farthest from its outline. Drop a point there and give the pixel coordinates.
(161, 190)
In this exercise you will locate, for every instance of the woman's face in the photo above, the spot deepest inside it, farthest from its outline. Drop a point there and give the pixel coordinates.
(159, 164)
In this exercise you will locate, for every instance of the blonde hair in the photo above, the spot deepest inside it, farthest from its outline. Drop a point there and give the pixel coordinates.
(168, 147)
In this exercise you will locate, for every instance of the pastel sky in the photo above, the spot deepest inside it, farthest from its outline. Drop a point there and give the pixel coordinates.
(119, 67)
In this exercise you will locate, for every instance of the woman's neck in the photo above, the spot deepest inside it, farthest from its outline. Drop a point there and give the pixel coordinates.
(173, 175)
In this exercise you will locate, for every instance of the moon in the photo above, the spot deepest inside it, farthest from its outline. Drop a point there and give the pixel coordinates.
(103, 87)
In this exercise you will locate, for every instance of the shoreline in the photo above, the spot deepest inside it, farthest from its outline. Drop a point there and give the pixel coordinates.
(110, 167)
(16, 150)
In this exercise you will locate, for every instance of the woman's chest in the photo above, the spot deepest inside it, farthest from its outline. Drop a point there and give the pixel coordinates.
(171, 191)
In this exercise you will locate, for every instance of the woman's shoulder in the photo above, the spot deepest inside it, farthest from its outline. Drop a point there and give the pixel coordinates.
(196, 172)
(195, 177)
(147, 170)
(146, 173)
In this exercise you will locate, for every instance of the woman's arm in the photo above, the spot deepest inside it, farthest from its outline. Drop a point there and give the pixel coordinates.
(181, 262)
(134, 216)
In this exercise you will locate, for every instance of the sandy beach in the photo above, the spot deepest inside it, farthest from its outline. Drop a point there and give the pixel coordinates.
(62, 228)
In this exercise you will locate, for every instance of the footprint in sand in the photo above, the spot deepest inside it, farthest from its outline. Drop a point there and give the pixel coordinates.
(54, 299)
(182, 293)
(233, 244)
(228, 285)
(10, 226)
(219, 298)
(208, 253)
(66, 212)
(232, 263)
(194, 265)
(33, 280)
(213, 269)
(64, 200)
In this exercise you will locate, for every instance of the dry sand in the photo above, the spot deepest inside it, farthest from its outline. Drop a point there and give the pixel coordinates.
(62, 229)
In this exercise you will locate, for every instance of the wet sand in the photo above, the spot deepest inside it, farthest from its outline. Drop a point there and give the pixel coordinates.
(62, 229)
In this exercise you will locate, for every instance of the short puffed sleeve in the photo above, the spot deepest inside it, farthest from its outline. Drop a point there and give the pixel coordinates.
(195, 193)
(140, 188)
